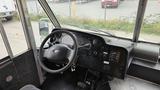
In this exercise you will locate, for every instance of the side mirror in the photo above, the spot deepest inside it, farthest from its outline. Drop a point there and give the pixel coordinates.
(43, 27)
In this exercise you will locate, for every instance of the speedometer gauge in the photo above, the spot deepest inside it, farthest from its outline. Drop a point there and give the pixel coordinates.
(66, 39)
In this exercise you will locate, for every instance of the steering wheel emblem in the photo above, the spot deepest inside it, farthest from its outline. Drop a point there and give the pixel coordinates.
(56, 51)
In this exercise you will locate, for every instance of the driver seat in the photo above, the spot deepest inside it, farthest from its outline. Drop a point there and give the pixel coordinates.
(29, 87)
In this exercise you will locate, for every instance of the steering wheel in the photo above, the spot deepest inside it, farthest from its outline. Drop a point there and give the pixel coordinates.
(58, 53)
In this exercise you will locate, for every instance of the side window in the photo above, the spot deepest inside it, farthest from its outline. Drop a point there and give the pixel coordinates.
(150, 30)
(3, 52)
(40, 22)
(13, 26)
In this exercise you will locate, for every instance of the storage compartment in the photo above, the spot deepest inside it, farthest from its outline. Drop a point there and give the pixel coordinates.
(146, 52)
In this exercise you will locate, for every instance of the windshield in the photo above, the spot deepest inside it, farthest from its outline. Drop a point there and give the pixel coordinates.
(116, 17)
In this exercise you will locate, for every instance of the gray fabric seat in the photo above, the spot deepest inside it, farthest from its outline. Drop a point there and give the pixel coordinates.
(29, 87)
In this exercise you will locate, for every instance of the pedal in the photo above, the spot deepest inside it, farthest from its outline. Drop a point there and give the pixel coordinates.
(81, 84)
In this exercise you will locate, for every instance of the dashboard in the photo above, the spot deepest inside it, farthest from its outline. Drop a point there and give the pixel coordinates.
(94, 53)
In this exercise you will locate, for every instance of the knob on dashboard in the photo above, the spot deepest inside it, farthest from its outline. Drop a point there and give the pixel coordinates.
(96, 43)
(105, 54)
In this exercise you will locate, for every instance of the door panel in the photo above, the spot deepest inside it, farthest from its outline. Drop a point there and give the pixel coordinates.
(19, 71)
(26, 69)
(8, 76)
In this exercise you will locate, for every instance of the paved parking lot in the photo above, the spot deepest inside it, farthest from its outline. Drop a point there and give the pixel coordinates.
(16, 37)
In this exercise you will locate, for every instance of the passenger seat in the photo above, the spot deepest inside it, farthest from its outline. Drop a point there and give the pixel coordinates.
(29, 87)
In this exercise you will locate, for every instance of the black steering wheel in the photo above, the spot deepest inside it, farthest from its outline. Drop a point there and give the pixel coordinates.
(58, 53)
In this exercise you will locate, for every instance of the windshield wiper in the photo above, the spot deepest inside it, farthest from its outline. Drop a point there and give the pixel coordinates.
(99, 31)
(110, 34)
(103, 32)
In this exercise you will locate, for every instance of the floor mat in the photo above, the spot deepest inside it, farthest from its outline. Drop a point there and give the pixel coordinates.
(62, 82)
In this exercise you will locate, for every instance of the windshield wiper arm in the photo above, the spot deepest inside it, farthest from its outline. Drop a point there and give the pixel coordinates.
(98, 30)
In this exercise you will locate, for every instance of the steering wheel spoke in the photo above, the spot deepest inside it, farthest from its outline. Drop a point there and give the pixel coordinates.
(46, 53)
(70, 54)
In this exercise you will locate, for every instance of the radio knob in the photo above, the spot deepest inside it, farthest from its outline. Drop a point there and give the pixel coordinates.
(105, 53)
